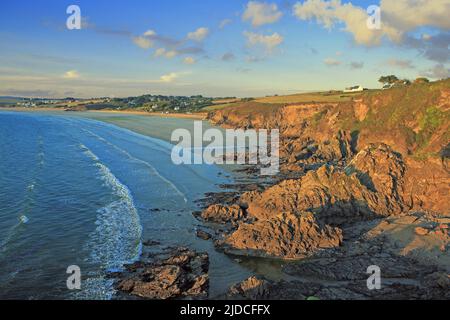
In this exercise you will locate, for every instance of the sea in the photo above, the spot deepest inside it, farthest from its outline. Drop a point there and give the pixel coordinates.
(76, 191)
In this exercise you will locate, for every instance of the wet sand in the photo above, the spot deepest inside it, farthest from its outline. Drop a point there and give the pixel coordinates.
(195, 116)
(156, 125)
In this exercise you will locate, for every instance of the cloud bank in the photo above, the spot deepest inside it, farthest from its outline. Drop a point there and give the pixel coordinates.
(260, 13)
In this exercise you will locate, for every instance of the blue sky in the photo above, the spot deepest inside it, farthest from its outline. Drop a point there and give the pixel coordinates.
(215, 47)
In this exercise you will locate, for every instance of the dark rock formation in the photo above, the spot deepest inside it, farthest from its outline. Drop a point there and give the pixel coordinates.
(298, 217)
(203, 235)
(172, 274)
(287, 235)
(223, 214)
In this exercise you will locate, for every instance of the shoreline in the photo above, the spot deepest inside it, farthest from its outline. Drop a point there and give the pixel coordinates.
(219, 280)
(394, 237)
(194, 116)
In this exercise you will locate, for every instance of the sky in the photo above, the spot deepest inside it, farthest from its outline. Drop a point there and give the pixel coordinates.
(217, 48)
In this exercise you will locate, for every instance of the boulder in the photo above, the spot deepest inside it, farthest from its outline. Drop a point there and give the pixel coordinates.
(290, 236)
(174, 274)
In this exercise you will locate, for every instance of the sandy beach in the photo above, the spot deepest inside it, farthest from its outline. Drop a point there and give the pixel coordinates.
(195, 116)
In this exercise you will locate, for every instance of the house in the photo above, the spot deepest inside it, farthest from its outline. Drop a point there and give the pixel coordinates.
(354, 89)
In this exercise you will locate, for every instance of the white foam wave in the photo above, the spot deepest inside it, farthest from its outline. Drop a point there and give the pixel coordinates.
(24, 219)
(89, 153)
(117, 238)
(145, 163)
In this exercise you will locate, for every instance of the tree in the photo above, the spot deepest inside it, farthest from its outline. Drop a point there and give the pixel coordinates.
(391, 79)
(405, 82)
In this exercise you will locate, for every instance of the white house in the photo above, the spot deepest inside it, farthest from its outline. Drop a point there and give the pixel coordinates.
(354, 89)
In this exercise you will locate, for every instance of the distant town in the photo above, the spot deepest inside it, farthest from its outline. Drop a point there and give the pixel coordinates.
(146, 103)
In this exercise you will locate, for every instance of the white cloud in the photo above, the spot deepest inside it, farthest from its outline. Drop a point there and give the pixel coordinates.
(171, 54)
(260, 13)
(149, 33)
(269, 42)
(167, 78)
(159, 52)
(328, 13)
(143, 42)
(162, 52)
(332, 62)
(397, 17)
(71, 74)
(189, 60)
(407, 15)
(198, 35)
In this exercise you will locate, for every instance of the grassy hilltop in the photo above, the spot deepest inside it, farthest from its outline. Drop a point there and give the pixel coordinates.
(415, 118)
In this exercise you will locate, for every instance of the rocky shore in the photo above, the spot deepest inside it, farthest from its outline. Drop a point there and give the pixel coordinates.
(172, 273)
(362, 183)
(367, 195)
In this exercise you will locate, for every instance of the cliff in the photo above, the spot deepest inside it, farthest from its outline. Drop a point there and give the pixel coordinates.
(384, 154)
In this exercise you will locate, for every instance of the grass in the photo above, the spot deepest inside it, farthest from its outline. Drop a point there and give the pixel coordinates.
(429, 123)
(410, 113)
(432, 119)
(329, 96)
(218, 107)
(322, 97)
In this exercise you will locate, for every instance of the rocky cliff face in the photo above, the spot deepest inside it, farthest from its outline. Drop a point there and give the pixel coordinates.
(414, 121)
(377, 157)
(297, 217)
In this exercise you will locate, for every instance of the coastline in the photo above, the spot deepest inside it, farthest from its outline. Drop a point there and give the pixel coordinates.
(164, 220)
(329, 212)
(194, 116)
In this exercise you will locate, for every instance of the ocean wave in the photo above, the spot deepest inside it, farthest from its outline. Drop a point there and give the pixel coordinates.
(22, 219)
(159, 146)
(117, 238)
(13, 231)
(145, 163)
(89, 153)
(41, 152)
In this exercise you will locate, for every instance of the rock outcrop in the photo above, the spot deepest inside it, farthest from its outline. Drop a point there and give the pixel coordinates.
(172, 274)
(223, 214)
(287, 235)
(366, 182)
(428, 286)
(252, 288)
(295, 218)
(413, 265)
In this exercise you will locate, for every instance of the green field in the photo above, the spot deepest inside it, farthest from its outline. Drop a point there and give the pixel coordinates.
(311, 97)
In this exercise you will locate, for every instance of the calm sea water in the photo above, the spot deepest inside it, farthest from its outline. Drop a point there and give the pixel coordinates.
(75, 191)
